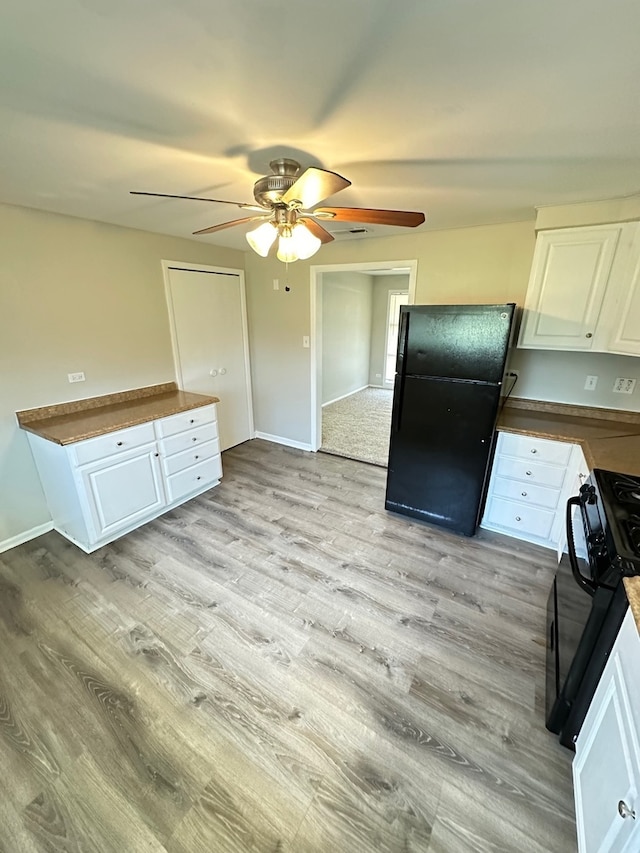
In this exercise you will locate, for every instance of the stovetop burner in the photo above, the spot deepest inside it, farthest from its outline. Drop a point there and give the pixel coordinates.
(618, 496)
(626, 489)
(632, 525)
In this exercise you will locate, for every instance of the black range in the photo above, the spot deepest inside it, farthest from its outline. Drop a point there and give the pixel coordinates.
(588, 602)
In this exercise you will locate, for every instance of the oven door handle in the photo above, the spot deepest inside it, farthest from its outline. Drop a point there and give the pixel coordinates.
(587, 585)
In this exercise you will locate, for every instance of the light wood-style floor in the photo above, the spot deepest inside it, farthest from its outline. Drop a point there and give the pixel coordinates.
(279, 665)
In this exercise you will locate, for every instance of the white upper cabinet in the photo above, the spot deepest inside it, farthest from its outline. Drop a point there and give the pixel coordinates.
(584, 290)
(625, 333)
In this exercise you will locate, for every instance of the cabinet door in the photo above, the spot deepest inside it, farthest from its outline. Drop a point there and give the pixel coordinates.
(123, 491)
(569, 276)
(606, 769)
(625, 335)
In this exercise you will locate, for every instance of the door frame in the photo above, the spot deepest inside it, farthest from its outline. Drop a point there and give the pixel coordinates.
(315, 325)
(167, 266)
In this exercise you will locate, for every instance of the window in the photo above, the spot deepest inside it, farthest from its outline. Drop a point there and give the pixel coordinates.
(396, 299)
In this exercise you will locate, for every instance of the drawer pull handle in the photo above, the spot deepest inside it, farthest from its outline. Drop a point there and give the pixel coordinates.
(198, 478)
(119, 443)
(528, 473)
(192, 421)
(196, 456)
(518, 518)
(156, 454)
(533, 450)
(589, 335)
(194, 439)
(524, 494)
(624, 811)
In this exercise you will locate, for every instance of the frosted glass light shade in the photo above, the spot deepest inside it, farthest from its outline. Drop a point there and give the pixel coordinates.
(306, 244)
(286, 247)
(261, 238)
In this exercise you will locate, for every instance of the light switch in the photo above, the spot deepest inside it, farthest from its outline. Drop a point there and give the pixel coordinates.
(305, 341)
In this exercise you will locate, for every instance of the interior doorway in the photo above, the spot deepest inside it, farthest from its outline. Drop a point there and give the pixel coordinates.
(207, 316)
(354, 334)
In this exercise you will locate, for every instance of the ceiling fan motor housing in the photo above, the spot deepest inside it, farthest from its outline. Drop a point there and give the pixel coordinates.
(269, 190)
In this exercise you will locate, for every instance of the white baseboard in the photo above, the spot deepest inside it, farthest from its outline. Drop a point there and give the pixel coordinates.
(25, 536)
(344, 396)
(278, 439)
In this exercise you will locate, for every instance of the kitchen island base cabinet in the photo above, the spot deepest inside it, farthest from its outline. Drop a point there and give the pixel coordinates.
(104, 487)
(606, 768)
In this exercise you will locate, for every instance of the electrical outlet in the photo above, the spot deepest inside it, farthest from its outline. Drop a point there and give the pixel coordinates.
(624, 386)
(75, 377)
(276, 284)
(305, 341)
(590, 383)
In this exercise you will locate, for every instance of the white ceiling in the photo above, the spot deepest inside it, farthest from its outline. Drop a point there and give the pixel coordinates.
(474, 112)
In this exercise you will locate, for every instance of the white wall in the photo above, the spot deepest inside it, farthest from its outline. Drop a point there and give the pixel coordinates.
(347, 299)
(382, 286)
(76, 296)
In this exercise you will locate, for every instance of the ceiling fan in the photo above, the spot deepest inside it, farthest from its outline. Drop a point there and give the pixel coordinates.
(284, 206)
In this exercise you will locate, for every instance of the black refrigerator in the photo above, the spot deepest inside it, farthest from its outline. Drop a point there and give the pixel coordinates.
(447, 390)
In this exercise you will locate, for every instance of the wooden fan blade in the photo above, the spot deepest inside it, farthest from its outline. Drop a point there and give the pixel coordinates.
(317, 230)
(407, 218)
(313, 185)
(199, 198)
(224, 225)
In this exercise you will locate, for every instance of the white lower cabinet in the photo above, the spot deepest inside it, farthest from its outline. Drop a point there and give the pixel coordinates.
(531, 480)
(606, 767)
(104, 487)
(121, 492)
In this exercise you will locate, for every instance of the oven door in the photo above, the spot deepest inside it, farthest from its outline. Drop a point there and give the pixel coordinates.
(577, 613)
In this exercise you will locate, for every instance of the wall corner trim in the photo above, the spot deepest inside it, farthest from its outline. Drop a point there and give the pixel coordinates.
(25, 536)
(288, 442)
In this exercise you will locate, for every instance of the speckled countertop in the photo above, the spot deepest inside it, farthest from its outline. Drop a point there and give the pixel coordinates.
(609, 439)
(632, 588)
(67, 423)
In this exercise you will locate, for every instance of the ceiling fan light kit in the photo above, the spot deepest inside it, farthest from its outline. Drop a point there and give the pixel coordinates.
(285, 199)
(262, 238)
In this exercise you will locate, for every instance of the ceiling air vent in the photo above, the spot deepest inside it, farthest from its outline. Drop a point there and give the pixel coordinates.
(358, 230)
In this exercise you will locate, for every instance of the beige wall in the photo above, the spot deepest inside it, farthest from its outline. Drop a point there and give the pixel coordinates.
(76, 296)
(347, 301)
(485, 264)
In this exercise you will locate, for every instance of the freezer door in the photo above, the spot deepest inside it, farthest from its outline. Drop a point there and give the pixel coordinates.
(455, 341)
(441, 441)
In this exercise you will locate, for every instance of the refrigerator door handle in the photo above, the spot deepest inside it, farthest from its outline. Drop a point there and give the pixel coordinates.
(403, 335)
(398, 397)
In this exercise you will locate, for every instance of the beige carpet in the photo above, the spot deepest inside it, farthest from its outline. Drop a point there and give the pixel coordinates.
(358, 426)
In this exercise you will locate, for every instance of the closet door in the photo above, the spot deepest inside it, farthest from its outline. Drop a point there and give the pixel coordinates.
(208, 324)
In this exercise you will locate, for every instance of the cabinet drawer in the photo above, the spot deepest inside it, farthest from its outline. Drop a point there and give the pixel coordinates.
(536, 449)
(522, 519)
(525, 493)
(191, 438)
(186, 421)
(180, 461)
(194, 478)
(529, 472)
(103, 446)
